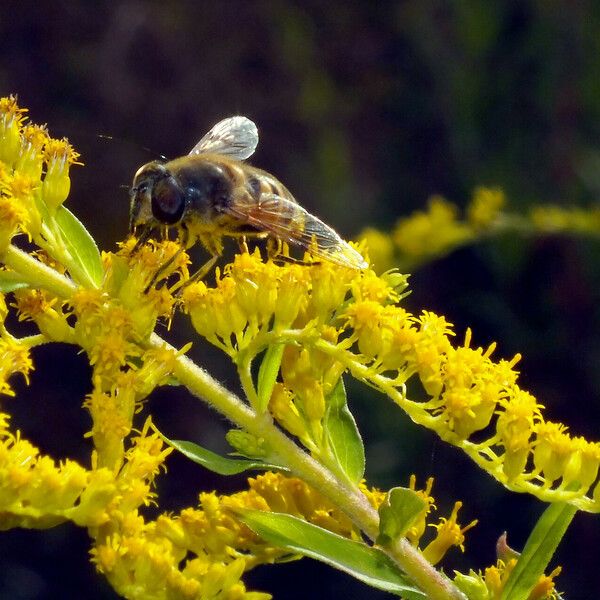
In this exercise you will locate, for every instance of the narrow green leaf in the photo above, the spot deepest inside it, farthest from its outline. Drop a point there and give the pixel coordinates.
(343, 435)
(369, 565)
(397, 513)
(538, 551)
(81, 246)
(267, 375)
(9, 282)
(217, 463)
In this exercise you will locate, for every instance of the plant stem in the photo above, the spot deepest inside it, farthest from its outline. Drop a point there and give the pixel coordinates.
(200, 383)
(36, 273)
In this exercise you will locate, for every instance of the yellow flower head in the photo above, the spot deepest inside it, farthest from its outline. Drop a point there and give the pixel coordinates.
(59, 155)
(485, 206)
(31, 156)
(11, 119)
(381, 248)
(449, 533)
(14, 358)
(433, 232)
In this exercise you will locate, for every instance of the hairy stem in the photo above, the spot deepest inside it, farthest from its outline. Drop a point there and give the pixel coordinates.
(36, 273)
(349, 499)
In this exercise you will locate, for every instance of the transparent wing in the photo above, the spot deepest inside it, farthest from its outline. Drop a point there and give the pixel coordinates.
(288, 221)
(236, 137)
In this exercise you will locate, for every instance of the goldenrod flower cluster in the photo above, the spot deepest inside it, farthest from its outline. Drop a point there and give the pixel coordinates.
(307, 324)
(111, 318)
(34, 177)
(35, 491)
(214, 535)
(332, 320)
(433, 233)
(492, 581)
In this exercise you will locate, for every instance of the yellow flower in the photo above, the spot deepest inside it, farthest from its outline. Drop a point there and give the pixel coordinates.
(449, 533)
(286, 413)
(433, 232)
(59, 155)
(582, 466)
(112, 420)
(545, 589)
(329, 288)
(10, 218)
(135, 278)
(552, 450)
(381, 248)
(495, 577)
(14, 358)
(36, 492)
(40, 307)
(471, 389)
(277, 493)
(11, 119)
(418, 527)
(515, 427)
(111, 334)
(485, 206)
(110, 352)
(31, 156)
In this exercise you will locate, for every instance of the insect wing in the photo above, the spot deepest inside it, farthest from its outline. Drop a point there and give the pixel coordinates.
(288, 221)
(236, 137)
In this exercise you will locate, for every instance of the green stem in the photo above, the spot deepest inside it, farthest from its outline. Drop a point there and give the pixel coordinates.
(244, 373)
(31, 341)
(434, 583)
(37, 274)
(349, 499)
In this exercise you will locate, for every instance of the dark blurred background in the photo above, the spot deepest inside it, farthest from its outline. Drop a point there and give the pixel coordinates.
(364, 109)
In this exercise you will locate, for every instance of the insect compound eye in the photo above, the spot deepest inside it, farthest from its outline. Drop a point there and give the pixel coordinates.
(168, 201)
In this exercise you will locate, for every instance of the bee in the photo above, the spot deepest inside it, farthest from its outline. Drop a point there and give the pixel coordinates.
(211, 193)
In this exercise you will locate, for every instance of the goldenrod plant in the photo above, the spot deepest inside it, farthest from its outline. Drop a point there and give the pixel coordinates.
(294, 331)
(433, 233)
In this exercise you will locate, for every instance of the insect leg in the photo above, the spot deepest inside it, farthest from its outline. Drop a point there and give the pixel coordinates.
(200, 274)
(183, 244)
(275, 247)
(141, 240)
(243, 244)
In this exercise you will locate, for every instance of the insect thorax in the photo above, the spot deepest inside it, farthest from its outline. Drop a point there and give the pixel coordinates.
(207, 184)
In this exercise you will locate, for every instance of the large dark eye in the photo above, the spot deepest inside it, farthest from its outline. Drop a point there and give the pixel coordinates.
(168, 201)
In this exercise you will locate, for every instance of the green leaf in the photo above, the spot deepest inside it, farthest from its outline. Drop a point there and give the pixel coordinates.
(369, 565)
(217, 463)
(87, 263)
(343, 435)
(397, 513)
(538, 551)
(9, 282)
(267, 375)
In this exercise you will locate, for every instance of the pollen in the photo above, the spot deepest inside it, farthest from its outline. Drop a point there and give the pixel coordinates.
(14, 358)
(449, 533)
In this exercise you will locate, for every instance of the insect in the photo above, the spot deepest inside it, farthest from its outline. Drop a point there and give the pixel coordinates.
(212, 193)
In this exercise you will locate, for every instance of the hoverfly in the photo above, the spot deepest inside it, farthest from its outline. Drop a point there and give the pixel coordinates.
(212, 193)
